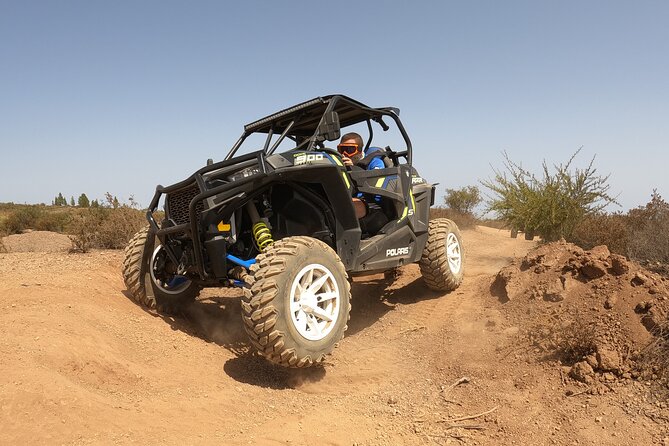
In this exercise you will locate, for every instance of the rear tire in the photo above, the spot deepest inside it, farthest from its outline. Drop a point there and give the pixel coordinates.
(299, 305)
(443, 261)
(142, 287)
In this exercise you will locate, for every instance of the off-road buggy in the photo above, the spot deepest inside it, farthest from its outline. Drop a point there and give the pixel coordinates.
(282, 226)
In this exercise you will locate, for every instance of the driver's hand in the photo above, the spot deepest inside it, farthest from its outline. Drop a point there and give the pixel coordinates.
(347, 161)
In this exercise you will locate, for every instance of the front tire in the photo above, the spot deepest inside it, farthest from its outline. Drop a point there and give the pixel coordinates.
(299, 305)
(142, 281)
(443, 261)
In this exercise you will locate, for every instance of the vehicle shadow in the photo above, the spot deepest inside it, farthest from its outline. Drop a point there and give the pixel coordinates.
(217, 319)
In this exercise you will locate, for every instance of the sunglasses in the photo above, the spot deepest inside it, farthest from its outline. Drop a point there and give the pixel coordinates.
(348, 149)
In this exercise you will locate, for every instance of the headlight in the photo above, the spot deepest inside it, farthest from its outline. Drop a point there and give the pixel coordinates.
(249, 171)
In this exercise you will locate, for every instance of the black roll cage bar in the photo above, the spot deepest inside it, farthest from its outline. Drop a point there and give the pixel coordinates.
(367, 114)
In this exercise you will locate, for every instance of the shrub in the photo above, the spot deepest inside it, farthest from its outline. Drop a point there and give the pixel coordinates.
(654, 358)
(551, 205)
(22, 219)
(83, 230)
(648, 229)
(104, 228)
(52, 221)
(602, 229)
(566, 337)
(118, 228)
(463, 200)
(639, 234)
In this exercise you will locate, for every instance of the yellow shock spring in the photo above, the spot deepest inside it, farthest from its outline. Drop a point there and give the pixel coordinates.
(262, 235)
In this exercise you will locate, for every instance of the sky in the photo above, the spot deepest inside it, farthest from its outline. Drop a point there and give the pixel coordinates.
(99, 96)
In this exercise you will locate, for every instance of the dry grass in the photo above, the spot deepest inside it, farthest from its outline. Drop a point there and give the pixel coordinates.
(105, 228)
(568, 340)
(640, 234)
(463, 220)
(655, 357)
(602, 229)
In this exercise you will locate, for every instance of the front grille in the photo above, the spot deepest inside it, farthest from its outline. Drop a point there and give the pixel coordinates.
(178, 203)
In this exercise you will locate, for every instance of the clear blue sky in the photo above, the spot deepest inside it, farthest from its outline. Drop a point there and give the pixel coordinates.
(119, 96)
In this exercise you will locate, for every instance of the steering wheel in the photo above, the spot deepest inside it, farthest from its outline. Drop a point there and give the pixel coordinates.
(328, 150)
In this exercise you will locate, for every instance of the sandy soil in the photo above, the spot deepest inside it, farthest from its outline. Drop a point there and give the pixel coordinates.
(36, 241)
(81, 364)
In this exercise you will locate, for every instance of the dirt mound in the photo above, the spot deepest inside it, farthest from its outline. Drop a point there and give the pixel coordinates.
(592, 310)
(36, 241)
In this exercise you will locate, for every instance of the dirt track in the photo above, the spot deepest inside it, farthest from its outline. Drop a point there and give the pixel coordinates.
(81, 364)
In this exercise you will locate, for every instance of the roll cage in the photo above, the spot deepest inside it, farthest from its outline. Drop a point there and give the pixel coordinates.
(311, 123)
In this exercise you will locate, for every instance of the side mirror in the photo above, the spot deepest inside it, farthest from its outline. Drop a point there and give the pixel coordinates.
(329, 129)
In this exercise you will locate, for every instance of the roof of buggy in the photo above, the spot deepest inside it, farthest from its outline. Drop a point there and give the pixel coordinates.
(307, 115)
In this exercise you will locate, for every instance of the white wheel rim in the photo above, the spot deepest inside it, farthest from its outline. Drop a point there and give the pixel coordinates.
(314, 302)
(453, 253)
(162, 284)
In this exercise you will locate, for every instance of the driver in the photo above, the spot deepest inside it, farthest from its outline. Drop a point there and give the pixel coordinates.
(367, 210)
(352, 153)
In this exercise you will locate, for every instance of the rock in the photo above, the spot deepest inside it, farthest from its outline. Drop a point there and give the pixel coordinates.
(653, 290)
(619, 264)
(643, 307)
(609, 377)
(505, 286)
(592, 360)
(554, 291)
(511, 331)
(532, 259)
(639, 279)
(610, 301)
(654, 318)
(600, 252)
(599, 419)
(608, 360)
(581, 371)
(593, 269)
(575, 250)
(569, 283)
(573, 264)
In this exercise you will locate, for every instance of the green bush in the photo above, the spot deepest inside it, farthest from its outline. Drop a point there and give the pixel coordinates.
(463, 200)
(52, 221)
(551, 205)
(22, 218)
